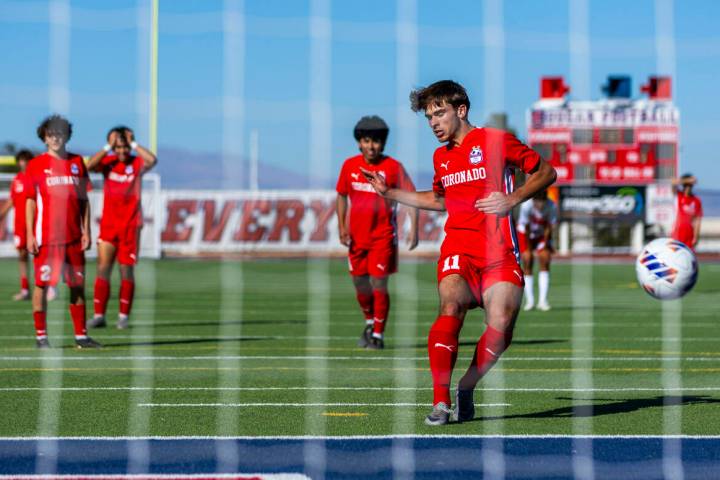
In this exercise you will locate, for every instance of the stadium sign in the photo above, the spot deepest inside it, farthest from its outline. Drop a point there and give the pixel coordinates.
(623, 204)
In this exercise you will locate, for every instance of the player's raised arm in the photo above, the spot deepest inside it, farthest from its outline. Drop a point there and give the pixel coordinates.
(93, 164)
(427, 200)
(148, 157)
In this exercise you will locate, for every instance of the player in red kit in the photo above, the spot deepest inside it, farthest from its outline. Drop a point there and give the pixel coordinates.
(535, 225)
(688, 211)
(370, 230)
(122, 218)
(58, 226)
(478, 265)
(17, 201)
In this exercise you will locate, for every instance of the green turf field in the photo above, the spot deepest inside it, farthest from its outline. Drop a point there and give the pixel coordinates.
(201, 329)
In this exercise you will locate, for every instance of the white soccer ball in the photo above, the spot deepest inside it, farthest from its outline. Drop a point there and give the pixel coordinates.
(666, 269)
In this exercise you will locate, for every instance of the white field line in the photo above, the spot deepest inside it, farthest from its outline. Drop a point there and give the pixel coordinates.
(361, 389)
(200, 338)
(364, 437)
(30, 358)
(309, 404)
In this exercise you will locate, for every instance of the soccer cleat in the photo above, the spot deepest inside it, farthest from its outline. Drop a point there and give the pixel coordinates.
(21, 295)
(464, 406)
(376, 344)
(122, 322)
(365, 337)
(86, 342)
(544, 306)
(528, 306)
(440, 415)
(42, 343)
(98, 321)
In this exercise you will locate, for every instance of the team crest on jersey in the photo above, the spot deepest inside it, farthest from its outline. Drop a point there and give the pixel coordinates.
(74, 169)
(476, 155)
(129, 169)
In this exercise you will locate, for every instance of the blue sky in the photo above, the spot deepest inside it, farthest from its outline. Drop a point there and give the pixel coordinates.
(108, 69)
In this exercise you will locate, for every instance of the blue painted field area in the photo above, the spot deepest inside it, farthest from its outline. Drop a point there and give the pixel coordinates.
(381, 457)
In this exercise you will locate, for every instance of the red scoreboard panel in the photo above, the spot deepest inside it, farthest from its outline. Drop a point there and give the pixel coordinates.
(615, 140)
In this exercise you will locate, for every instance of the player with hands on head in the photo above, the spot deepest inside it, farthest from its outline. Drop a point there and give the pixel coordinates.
(478, 265)
(535, 225)
(57, 214)
(122, 219)
(367, 225)
(688, 211)
(17, 201)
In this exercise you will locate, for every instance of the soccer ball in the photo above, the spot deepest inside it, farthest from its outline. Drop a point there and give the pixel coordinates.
(666, 269)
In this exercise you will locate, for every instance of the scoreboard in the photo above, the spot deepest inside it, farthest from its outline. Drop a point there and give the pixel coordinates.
(616, 140)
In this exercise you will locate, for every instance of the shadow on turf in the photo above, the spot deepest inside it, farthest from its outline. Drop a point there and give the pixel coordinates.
(596, 410)
(233, 322)
(185, 341)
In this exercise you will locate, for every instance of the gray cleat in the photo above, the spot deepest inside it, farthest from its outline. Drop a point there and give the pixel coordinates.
(365, 337)
(97, 322)
(440, 415)
(122, 322)
(86, 342)
(376, 344)
(42, 343)
(464, 406)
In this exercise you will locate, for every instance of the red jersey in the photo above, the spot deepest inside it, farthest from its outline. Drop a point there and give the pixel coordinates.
(123, 183)
(687, 209)
(372, 217)
(482, 164)
(17, 194)
(59, 188)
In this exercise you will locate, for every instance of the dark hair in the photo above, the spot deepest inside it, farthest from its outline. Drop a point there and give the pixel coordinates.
(685, 176)
(54, 123)
(373, 127)
(444, 91)
(120, 129)
(24, 154)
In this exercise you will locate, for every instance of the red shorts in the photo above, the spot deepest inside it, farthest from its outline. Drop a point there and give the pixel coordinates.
(20, 240)
(52, 260)
(125, 239)
(480, 276)
(533, 244)
(379, 260)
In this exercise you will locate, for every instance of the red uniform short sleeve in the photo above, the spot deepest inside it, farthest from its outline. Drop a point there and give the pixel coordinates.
(520, 155)
(29, 183)
(342, 187)
(699, 208)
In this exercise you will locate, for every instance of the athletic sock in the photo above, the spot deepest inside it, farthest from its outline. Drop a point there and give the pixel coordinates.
(127, 292)
(442, 350)
(543, 285)
(381, 306)
(529, 291)
(77, 313)
(489, 348)
(40, 319)
(24, 284)
(102, 292)
(365, 301)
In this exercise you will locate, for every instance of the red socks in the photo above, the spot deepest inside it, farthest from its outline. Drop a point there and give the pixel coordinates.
(381, 308)
(40, 319)
(102, 292)
(127, 292)
(366, 304)
(491, 345)
(443, 350)
(77, 312)
(24, 284)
